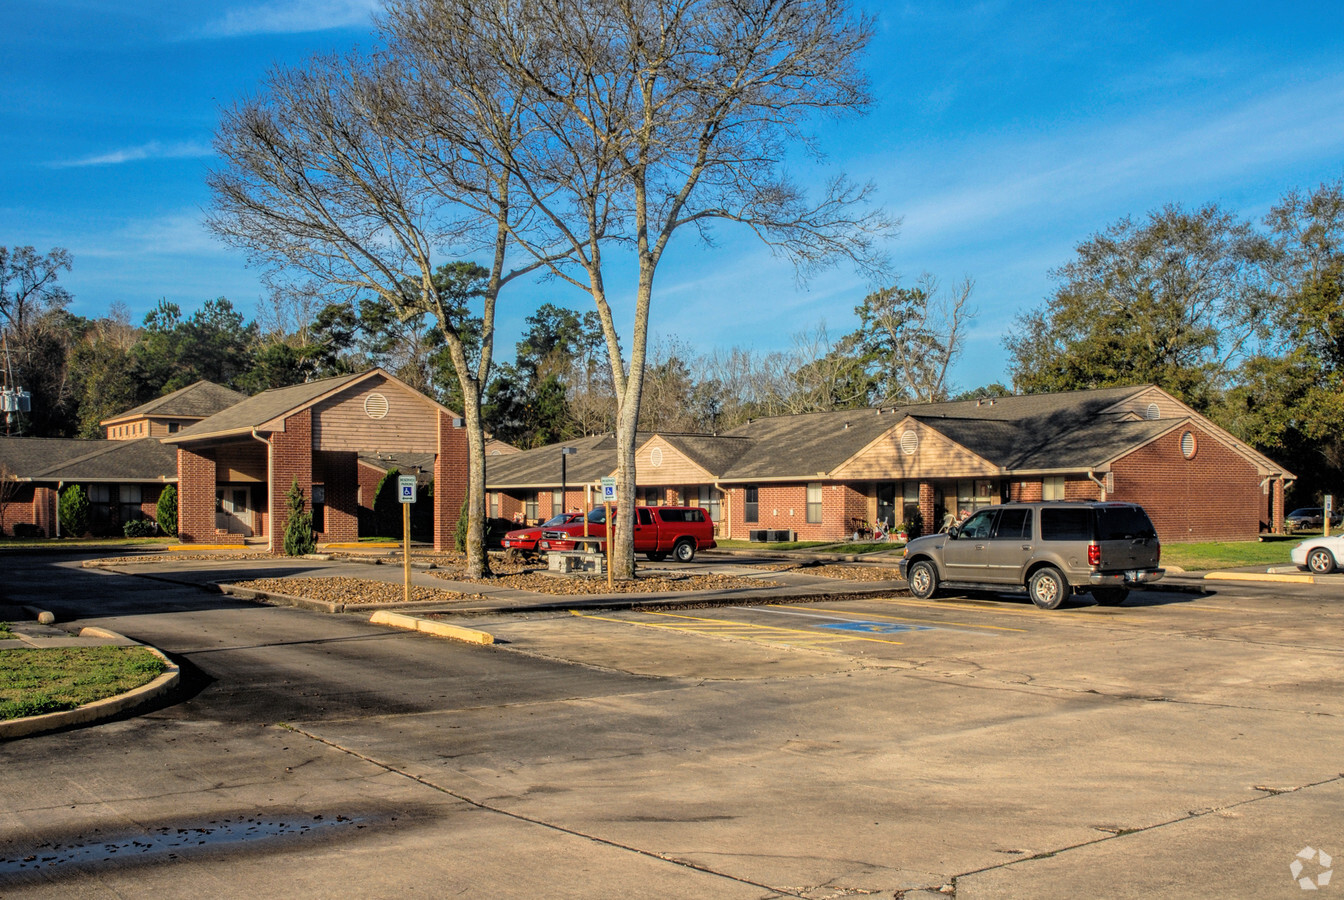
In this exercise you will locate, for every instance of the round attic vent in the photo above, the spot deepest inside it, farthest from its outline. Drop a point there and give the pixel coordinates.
(1153, 412)
(909, 442)
(375, 406)
(494, 453)
(656, 457)
(1189, 446)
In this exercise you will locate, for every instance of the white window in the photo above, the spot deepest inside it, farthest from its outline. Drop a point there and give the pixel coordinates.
(1052, 487)
(814, 503)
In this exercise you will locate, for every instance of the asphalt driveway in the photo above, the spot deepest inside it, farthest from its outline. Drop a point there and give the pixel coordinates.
(1180, 744)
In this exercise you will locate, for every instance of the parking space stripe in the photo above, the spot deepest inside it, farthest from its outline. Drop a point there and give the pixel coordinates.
(811, 634)
(828, 614)
(762, 634)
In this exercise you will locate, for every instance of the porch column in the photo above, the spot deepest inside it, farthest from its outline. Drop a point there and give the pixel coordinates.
(450, 481)
(928, 525)
(291, 461)
(340, 475)
(195, 497)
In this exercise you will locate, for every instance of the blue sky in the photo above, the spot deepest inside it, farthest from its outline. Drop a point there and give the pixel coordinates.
(1003, 135)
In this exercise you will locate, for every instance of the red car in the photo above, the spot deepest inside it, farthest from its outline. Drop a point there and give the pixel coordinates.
(659, 531)
(524, 540)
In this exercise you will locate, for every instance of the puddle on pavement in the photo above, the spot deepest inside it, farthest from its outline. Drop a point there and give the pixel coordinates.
(166, 843)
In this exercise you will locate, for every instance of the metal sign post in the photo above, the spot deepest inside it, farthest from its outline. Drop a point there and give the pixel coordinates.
(406, 494)
(608, 498)
(1329, 508)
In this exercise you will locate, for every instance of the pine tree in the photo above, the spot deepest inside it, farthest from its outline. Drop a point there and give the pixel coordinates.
(299, 527)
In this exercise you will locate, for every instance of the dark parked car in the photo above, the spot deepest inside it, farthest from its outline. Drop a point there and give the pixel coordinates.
(524, 540)
(1051, 550)
(1306, 517)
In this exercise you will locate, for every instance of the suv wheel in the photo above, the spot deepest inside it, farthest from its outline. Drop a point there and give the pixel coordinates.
(923, 579)
(1321, 561)
(684, 551)
(1047, 588)
(1110, 596)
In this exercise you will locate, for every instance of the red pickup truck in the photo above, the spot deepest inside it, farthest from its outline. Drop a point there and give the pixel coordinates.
(659, 530)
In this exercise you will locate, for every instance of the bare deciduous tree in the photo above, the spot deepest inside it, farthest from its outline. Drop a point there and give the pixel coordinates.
(357, 174)
(911, 337)
(646, 117)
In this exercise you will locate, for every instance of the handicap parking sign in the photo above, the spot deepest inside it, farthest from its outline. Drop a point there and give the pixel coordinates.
(406, 488)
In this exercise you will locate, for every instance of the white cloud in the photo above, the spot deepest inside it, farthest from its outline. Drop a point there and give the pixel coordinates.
(1177, 147)
(293, 16)
(152, 150)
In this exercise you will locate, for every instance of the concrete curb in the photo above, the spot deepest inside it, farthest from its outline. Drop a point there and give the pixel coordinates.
(1260, 576)
(98, 710)
(438, 629)
(327, 606)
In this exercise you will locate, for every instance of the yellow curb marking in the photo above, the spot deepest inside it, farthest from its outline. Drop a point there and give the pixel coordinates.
(1253, 576)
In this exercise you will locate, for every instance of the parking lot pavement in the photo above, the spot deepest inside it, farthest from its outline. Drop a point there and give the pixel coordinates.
(1177, 745)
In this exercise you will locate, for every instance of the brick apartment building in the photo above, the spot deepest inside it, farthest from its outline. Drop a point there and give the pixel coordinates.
(822, 476)
(122, 476)
(235, 468)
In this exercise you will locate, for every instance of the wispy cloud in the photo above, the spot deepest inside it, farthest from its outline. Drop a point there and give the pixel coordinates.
(1177, 147)
(292, 17)
(152, 150)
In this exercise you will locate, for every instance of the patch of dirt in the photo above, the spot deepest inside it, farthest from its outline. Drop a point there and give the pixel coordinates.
(838, 571)
(351, 590)
(566, 585)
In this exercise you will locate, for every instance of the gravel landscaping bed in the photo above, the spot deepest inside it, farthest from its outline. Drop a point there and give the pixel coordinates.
(351, 590)
(562, 585)
(844, 573)
(173, 557)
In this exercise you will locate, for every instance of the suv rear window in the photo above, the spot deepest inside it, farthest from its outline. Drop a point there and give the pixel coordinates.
(1066, 524)
(1123, 523)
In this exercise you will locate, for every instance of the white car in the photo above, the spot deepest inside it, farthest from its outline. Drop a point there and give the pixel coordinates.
(1320, 555)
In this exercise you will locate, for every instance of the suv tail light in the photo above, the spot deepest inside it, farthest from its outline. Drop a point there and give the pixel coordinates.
(1093, 554)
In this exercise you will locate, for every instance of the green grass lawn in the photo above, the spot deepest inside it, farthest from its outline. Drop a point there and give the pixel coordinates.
(759, 545)
(866, 546)
(43, 680)
(1228, 554)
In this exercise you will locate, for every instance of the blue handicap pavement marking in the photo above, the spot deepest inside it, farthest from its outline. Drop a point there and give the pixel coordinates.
(876, 627)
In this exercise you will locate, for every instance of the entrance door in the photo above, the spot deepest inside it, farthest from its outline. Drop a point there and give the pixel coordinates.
(886, 503)
(233, 510)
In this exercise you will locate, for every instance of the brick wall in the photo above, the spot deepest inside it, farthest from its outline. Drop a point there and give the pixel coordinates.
(339, 474)
(291, 462)
(196, 497)
(1214, 496)
(450, 481)
(19, 507)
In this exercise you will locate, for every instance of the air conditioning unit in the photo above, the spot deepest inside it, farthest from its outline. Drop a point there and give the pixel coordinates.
(757, 534)
(779, 536)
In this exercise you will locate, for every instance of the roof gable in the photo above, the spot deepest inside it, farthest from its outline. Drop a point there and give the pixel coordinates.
(912, 449)
(195, 401)
(268, 410)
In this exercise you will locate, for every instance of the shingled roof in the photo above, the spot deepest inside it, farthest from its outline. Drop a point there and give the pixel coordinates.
(195, 401)
(29, 456)
(66, 459)
(1069, 431)
(540, 467)
(255, 411)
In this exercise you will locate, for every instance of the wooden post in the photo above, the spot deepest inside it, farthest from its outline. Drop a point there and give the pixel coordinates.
(607, 516)
(406, 550)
